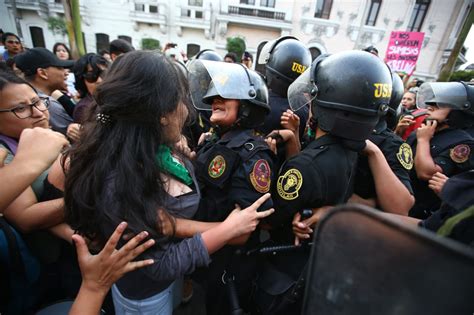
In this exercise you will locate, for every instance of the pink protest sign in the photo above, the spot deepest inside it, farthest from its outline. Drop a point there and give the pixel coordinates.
(403, 51)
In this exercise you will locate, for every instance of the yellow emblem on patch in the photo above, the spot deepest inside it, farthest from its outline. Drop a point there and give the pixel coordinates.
(460, 153)
(405, 156)
(289, 184)
(217, 166)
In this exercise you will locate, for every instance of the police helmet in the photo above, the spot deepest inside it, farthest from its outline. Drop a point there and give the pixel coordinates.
(208, 54)
(285, 59)
(394, 107)
(349, 92)
(458, 96)
(209, 79)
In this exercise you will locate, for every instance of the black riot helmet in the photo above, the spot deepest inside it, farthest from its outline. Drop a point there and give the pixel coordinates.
(285, 59)
(458, 96)
(349, 92)
(208, 54)
(208, 79)
(394, 107)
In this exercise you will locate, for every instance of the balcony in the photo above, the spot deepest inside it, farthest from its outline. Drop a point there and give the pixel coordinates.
(370, 35)
(196, 17)
(254, 16)
(234, 10)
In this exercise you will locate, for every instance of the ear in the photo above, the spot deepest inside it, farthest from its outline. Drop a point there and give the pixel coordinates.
(164, 121)
(42, 73)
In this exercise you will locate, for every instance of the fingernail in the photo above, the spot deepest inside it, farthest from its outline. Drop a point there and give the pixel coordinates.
(150, 242)
(150, 261)
(122, 225)
(144, 234)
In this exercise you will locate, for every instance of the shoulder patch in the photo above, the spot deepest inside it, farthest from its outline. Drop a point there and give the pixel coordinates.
(260, 177)
(289, 184)
(216, 167)
(405, 156)
(460, 153)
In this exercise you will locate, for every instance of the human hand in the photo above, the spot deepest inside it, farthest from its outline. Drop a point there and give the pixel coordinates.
(203, 137)
(437, 181)
(403, 124)
(100, 271)
(302, 229)
(290, 121)
(39, 147)
(427, 130)
(245, 221)
(74, 131)
(166, 223)
(183, 147)
(272, 143)
(3, 156)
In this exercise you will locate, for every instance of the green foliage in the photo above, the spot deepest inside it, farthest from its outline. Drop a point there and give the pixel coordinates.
(56, 25)
(150, 44)
(236, 45)
(463, 75)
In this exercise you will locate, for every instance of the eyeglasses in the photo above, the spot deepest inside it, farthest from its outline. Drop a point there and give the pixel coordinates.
(10, 41)
(92, 77)
(25, 111)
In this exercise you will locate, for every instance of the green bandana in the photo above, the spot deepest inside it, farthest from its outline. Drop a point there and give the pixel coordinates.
(171, 166)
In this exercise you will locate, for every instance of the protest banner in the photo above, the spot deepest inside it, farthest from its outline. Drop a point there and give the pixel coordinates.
(403, 51)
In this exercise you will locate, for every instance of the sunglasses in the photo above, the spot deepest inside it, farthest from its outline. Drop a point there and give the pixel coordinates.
(92, 76)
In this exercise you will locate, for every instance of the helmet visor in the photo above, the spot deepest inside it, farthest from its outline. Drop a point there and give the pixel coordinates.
(229, 81)
(265, 52)
(442, 94)
(302, 91)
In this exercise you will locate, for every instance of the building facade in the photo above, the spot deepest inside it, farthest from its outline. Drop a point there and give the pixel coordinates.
(325, 26)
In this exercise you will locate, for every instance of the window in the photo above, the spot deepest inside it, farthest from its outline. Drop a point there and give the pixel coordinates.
(196, 3)
(126, 38)
(418, 15)
(251, 2)
(192, 50)
(186, 12)
(37, 36)
(373, 12)
(323, 9)
(153, 9)
(139, 7)
(198, 14)
(267, 3)
(101, 42)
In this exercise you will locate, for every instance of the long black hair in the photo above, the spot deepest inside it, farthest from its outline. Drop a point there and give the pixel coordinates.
(139, 89)
(80, 69)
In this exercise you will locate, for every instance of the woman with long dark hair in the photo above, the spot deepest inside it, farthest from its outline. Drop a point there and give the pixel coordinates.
(125, 168)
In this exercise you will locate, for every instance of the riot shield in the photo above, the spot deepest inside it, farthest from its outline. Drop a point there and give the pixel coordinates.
(363, 262)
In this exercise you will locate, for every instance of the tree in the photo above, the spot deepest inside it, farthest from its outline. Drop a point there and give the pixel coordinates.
(74, 27)
(466, 76)
(57, 25)
(448, 67)
(236, 45)
(150, 44)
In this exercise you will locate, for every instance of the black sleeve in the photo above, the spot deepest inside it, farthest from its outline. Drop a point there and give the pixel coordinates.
(456, 159)
(399, 157)
(67, 103)
(251, 180)
(298, 186)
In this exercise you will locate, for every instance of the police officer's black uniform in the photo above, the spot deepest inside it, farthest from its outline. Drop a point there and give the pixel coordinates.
(323, 173)
(233, 167)
(451, 148)
(397, 153)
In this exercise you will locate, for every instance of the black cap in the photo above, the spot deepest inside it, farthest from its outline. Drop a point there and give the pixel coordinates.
(29, 61)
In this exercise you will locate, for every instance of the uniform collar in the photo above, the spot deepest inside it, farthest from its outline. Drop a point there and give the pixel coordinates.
(236, 138)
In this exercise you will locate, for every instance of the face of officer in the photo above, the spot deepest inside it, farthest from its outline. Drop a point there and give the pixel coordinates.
(438, 114)
(224, 111)
(409, 100)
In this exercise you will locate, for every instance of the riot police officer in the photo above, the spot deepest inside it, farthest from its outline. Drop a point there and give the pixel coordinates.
(346, 109)
(234, 165)
(383, 179)
(444, 143)
(285, 59)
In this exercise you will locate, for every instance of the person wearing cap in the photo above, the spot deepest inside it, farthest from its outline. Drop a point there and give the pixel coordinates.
(46, 73)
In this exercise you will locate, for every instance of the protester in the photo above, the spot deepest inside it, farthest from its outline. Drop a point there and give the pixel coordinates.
(12, 44)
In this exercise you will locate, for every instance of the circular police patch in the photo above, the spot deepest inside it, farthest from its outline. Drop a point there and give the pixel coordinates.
(289, 184)
(405, 156)
(260, 176)
(460, 153)
(217, 166)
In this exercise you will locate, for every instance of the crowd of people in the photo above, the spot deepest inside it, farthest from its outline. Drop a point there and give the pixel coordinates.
(174, 173)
